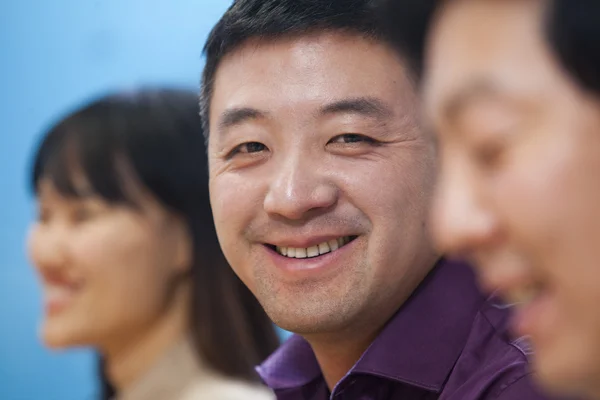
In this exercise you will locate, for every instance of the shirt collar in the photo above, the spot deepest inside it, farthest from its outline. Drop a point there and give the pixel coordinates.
(419, 345)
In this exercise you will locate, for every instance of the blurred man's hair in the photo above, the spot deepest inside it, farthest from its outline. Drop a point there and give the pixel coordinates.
(572, 31)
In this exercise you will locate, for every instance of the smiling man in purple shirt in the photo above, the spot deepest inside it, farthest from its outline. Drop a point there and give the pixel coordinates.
(320, 181)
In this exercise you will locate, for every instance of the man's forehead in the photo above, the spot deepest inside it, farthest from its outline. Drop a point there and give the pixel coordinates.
(514, 79)
(298, 48)
(299, 55)
(450, 103)
(475, 31)
(455, 81)
(249, 80)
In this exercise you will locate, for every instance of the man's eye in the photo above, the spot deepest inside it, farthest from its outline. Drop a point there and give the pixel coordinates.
(248, 148)
(348, 138)
(489, 155)
(252, 147)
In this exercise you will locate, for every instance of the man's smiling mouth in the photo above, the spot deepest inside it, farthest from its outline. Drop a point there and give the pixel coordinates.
(313, 251)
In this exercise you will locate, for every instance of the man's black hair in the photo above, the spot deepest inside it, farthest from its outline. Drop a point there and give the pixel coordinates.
(572, 30)
(273, 19)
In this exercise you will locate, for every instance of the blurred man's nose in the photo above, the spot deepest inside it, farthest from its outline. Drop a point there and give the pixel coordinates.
(461, 221)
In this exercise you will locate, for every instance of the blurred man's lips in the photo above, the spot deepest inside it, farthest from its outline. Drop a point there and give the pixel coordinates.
(316, 250)
(523, 295)
(535, 312)
(520, 287)
(530, 299)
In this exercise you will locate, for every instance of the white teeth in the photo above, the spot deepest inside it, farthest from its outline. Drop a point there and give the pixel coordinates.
(323, 248)
(313, 251)
(300, 253)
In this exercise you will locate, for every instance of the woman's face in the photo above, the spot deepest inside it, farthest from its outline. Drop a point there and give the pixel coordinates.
(108, 271)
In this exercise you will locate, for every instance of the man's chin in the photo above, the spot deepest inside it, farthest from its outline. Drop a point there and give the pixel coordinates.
(306, 322)
(313, 308)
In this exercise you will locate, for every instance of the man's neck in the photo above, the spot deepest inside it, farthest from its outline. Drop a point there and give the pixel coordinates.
(338, 353)
(337, 359)
(128, 359)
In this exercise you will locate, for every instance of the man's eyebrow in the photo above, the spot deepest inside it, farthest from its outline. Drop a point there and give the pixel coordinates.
(366, 106)
(463, 97)
(236, 116)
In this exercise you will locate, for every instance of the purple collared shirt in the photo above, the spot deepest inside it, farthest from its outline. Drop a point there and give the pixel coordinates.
(446, 342)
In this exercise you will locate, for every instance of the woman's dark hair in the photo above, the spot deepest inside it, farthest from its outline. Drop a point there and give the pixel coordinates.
(158, 134)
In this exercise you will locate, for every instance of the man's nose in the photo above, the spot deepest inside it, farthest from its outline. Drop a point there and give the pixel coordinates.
(299, 187)
(461, 221)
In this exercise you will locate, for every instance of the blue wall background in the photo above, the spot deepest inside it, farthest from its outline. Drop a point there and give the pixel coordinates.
(56, 54)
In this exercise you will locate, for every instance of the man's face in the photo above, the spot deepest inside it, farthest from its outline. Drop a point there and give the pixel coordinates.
(519, 191)
(320, 179)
